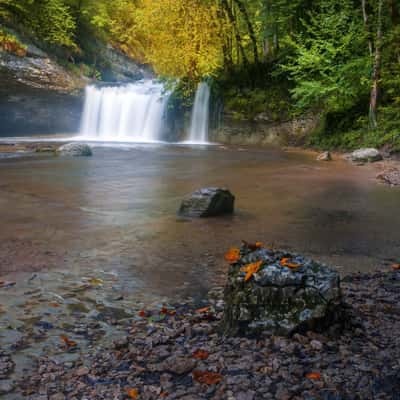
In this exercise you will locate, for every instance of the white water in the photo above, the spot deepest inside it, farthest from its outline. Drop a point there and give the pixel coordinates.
(131, 113)
(200, 115)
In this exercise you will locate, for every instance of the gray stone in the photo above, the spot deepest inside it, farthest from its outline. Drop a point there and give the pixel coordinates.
(390, 176)
(208, 202)
(179, 365)
(6, 386)
(325, 156)
(365, 155)
(75, 150)
(277, 299)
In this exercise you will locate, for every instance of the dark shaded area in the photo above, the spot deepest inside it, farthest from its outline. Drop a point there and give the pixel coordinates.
(26, 110)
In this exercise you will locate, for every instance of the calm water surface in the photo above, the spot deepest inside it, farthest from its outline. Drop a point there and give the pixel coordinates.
(116, 212)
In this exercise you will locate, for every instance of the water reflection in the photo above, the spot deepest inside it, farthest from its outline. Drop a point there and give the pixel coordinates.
(117, 212)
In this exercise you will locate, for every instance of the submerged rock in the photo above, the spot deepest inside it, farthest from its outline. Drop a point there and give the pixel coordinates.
(75, 150)
(285, 294)
(365, 155)
(208, 202)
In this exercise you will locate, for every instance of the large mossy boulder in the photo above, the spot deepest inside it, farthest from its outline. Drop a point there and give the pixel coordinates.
(75, 150)
(207, 202)
(278, 293)
(366, 155)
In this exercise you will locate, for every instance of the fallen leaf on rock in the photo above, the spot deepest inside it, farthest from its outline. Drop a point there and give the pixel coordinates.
(232, 255)
(285, 262)
(67, 341)
(132, 393)
(164, 394)
(54, 305)
(313, 375)
(201, 354)
(396, 267)
(203, 310)
(251, 269)
(142, 314)
(206, 377)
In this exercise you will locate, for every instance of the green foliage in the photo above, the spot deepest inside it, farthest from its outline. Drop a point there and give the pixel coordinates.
(330, 65)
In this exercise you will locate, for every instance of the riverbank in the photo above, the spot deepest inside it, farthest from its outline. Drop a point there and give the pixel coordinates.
(87, 244)
(175, 351)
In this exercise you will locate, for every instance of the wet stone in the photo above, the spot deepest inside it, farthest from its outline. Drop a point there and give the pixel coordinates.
(208, 202)
(287, 294)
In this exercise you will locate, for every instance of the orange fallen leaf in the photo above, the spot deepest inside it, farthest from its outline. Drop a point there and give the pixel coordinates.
(396, 267)
(201, 354)
(251, 269)
(313, 375)
(132, 393)
(167, 311)
(54, 305)
(206, 377)
(164, 394)
(142, 314)
(67, 341)
(203, 310)
(232, 255)
(285, 262)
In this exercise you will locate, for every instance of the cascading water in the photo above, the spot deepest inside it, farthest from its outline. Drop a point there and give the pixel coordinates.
(200, 115)
(132, 112)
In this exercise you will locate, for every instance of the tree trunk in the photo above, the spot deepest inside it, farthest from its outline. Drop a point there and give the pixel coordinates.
(376, 71)
(250, 28)
(232, 20)
(366, 24)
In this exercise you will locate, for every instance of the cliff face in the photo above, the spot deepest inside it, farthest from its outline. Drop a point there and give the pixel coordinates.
(38, 96)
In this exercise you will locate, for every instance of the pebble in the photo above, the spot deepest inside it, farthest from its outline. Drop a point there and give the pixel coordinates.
(157, 356)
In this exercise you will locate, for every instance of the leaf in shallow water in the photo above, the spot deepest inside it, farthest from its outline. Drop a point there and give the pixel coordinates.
(206, 377)
(396, 267)
(313, 375)
(251, 269)
(132, 393)
(203, 310)
(142, 314)
(201, 354)
(67, 341)
(232, 255)
(96, 282)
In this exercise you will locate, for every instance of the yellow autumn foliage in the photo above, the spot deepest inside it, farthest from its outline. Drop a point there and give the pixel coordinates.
(183, 38)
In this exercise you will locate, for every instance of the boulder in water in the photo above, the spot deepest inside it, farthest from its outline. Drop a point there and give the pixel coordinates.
(75, 150)
(365, 155)
(208, 202)
(325, 156)
(278, 293)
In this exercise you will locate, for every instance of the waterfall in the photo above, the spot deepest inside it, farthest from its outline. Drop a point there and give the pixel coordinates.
(200, 115)
(132, 112)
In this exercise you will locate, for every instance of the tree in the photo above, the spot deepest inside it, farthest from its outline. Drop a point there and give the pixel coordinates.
(330, 70)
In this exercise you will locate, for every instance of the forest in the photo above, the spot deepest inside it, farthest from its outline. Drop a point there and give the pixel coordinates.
(339, 59)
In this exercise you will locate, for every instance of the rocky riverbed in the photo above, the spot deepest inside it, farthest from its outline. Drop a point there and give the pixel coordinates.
(175, 351)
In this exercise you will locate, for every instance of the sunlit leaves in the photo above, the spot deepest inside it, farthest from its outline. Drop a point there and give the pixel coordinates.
(232, 255)
(251, 269)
